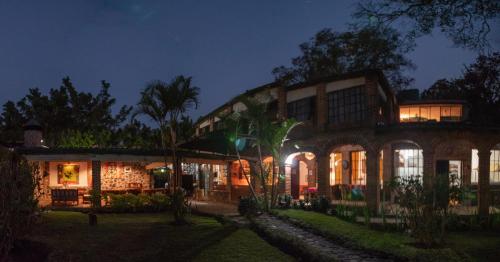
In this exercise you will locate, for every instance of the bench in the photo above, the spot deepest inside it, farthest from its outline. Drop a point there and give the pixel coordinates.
(64, 195)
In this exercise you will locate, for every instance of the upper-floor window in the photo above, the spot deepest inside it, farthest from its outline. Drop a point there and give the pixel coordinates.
(346, 105)
(423, 113)
(302, 109)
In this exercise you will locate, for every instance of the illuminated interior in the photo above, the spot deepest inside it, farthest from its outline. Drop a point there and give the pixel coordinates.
(494, 167)
(424, 113)
(409, 163)
(335, 168)
(358, 167)
(68, 174)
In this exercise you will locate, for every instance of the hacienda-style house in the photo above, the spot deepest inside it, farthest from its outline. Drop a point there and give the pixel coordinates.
(356, 136)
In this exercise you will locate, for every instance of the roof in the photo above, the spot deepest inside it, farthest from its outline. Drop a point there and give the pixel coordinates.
(32, 124)
(119, 151)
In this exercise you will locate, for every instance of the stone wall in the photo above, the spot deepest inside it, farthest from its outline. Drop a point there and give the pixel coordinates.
(118, 175)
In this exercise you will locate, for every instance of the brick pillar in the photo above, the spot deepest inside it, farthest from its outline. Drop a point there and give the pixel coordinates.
(484, 183)
(228, 181)
(372, 96)
(323, 162)
(281, 102)
(96, 180)
(428, 176)
(321, 107)
(288, 179)
(372, 181)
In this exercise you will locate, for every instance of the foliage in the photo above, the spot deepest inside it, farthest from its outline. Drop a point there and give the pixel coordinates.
(479, 85)
(425, 211)
(285, 201)
(19, 184)
(76, 139)
(180, 206)
(320, 204)
(166, 104)
(254, 128)
(65, 109)
(395, 244)
(121, 203)
(331, 53)
(248, 206)
(466, 23)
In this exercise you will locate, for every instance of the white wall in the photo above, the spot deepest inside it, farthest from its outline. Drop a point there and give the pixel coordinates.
(343, 84)
(82, 177)
(300, 93)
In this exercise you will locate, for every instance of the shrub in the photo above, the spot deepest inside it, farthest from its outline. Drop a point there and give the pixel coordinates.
(19, 192)
(159, 202)
(248, 206)
(180, 206)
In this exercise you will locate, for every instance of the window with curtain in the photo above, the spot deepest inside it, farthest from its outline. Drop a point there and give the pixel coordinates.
(358, 167)
(474, 167)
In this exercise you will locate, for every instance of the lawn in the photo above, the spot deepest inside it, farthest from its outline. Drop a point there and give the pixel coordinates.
(149, 237)
(480, 246)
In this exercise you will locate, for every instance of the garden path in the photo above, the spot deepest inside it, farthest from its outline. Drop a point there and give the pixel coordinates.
(327, 247)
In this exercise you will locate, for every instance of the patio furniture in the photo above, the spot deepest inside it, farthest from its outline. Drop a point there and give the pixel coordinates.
(64, 195)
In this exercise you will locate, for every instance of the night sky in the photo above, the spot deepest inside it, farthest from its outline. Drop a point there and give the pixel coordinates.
(227, 46)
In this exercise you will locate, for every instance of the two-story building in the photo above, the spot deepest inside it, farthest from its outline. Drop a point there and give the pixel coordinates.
(357, 136)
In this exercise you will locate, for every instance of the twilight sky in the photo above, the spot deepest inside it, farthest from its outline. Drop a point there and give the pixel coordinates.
(227, 46)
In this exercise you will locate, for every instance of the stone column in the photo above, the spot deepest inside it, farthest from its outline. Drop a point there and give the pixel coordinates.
(483, 191)
(321, 107)
(323, 162)
(372, 180)
(96, 181)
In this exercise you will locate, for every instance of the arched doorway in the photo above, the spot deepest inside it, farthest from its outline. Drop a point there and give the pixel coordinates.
(347, 174)
(301, 174)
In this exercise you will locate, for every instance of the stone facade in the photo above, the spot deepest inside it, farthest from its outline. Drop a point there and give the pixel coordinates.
(119, 175)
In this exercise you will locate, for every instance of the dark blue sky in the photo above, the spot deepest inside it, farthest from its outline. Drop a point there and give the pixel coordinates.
(227, 46)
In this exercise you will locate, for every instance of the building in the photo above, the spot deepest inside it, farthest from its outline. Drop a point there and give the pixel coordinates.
(357, 136)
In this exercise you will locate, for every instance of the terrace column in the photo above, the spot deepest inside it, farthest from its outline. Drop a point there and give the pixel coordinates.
(96, 181)
(323, 175)
(228, 181)
(484, 183)
(288, 179)
(428, 167)
(372, 180)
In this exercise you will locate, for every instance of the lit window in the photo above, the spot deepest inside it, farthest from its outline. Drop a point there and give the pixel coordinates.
(335, 168)
(474, 167)
(409, 163)
(358, 167)
(495, 166)
(424, 113)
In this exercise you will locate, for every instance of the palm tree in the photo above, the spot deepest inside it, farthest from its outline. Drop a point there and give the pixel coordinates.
(266, 135)
(166, 104)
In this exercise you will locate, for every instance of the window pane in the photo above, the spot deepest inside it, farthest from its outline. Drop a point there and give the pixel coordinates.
(436, 113)
(474, 166)
(456, 113)
(404, 114)
(424, 113)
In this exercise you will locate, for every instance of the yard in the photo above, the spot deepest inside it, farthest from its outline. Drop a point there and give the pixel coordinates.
(470, 245)
(149, 237)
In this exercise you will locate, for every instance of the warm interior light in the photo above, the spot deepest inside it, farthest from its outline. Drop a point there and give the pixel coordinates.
(309, 156)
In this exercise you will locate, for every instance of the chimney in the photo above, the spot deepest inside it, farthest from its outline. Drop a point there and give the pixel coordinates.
(33, 134)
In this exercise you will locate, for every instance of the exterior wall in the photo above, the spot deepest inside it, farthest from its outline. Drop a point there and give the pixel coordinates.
(118, 175)
(83, 176)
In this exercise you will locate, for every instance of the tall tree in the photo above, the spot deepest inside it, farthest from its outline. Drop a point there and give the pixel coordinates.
(467, 23)
(166, 104)
(331, 53)
(479, 85)
(63, 111)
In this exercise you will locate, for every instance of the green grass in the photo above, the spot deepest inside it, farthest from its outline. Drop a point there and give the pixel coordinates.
(148, 237)
(480, 246)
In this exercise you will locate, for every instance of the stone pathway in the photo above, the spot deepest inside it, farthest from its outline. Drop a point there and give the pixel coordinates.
(215, 208)
(326, 246)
